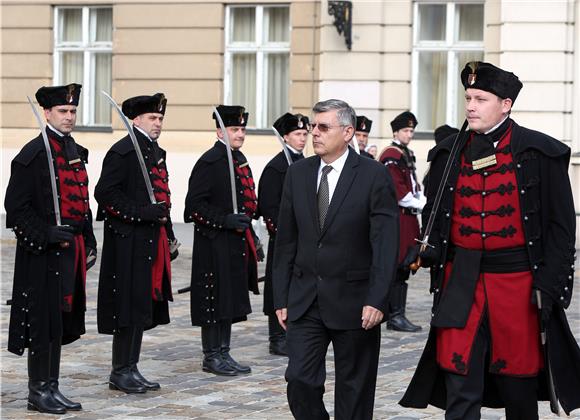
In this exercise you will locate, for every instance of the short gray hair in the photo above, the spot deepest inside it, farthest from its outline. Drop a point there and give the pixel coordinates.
(345, 114)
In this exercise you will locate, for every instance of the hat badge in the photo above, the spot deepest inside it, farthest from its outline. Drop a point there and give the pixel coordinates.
(472, 77)
(300, 123)
(363, 126)
(241, 119)
(410, 123)
(69, 95)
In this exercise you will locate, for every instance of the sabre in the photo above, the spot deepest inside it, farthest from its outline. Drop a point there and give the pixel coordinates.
(554, 405)
(230, 160)
(354, 145)
(50, 163)
(136, 146)
(425, 241)
(284, 148)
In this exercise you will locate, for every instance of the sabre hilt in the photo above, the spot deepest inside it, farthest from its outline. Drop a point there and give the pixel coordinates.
(414, 266)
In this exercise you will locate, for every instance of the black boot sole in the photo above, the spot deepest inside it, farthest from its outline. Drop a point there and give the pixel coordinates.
(32, 407)
(127, 391)
(219, 373)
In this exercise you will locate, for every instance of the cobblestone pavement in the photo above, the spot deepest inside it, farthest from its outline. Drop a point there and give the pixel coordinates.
(172, 355)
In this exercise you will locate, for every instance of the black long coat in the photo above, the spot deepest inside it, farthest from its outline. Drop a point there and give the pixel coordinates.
(269, 196)
(548, 220)
(129, 245)
(219, 277)
(36, 317)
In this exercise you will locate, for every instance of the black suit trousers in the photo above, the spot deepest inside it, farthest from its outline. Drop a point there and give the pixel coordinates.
(356, 355)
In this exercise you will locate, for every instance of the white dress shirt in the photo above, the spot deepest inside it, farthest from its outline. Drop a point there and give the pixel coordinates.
(333, 175)
(144, 133)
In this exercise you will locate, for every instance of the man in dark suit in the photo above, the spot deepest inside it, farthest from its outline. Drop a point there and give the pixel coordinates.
(335, 258)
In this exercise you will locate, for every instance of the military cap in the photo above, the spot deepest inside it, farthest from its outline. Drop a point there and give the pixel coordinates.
(404, 120)
(444, 131)
(486, 76)
(291, 122)
(133, 107)
(232, 116)
(363, 124)
(49, 96)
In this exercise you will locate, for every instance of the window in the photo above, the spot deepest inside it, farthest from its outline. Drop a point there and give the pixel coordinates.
(447, 35)
(82, 54)
(257, 61)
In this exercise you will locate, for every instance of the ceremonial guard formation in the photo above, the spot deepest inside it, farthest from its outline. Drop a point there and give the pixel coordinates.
(502, 263)
(47, 207)
(135, 276)
(498, 236)
(225, 247)
(294, 130)
(400, 161)
(362, 130)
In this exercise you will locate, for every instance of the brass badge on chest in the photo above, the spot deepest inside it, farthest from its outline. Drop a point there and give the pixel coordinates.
(484, 162)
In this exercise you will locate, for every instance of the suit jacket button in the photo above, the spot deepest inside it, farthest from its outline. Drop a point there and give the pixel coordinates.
(319, 278)
(319, 245)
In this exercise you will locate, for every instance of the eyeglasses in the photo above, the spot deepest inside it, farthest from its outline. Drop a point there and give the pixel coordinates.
(323, 128)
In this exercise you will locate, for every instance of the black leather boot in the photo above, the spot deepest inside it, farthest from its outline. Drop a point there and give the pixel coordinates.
(277, 336)
(225, 337)
(136, 340)
(121, 376)
(40, 397)
(54, 374)
(398, 321)
(212, 358)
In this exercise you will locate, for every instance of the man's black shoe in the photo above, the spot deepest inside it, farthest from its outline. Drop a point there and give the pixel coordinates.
(235, 365)
(218, 366)
(278, 348)
(401, 323)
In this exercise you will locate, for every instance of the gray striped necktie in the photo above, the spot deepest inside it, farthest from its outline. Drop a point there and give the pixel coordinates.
(323, 195)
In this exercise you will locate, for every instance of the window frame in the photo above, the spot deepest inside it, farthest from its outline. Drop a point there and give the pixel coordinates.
(452, 46)
(89, 50)
(260, 49)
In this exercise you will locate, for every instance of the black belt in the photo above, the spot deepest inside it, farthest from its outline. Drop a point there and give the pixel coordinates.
(510, 260)
(410, 211)
(457, 298)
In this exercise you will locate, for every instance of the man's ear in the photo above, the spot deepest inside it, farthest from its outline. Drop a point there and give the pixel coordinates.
(349, 132)
(506, 105)
(219, 133)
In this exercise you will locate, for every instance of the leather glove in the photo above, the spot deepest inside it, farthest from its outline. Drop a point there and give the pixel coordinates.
(91, 257)
(260, 252)
(174, 245)
(60, 234)
(153, 212)
(237, 221)
(411, 257)
(429, 256)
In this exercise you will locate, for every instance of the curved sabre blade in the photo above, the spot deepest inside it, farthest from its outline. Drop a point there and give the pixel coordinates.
(129, 128)
(230, 160)
(283, 143)
(50, 163)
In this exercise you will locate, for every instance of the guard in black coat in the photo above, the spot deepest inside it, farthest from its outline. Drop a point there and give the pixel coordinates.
(336, 256)
(504, 233)
(294, 129)
(362, 130)
(135, 277)
(225, 247)
(48, 294)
